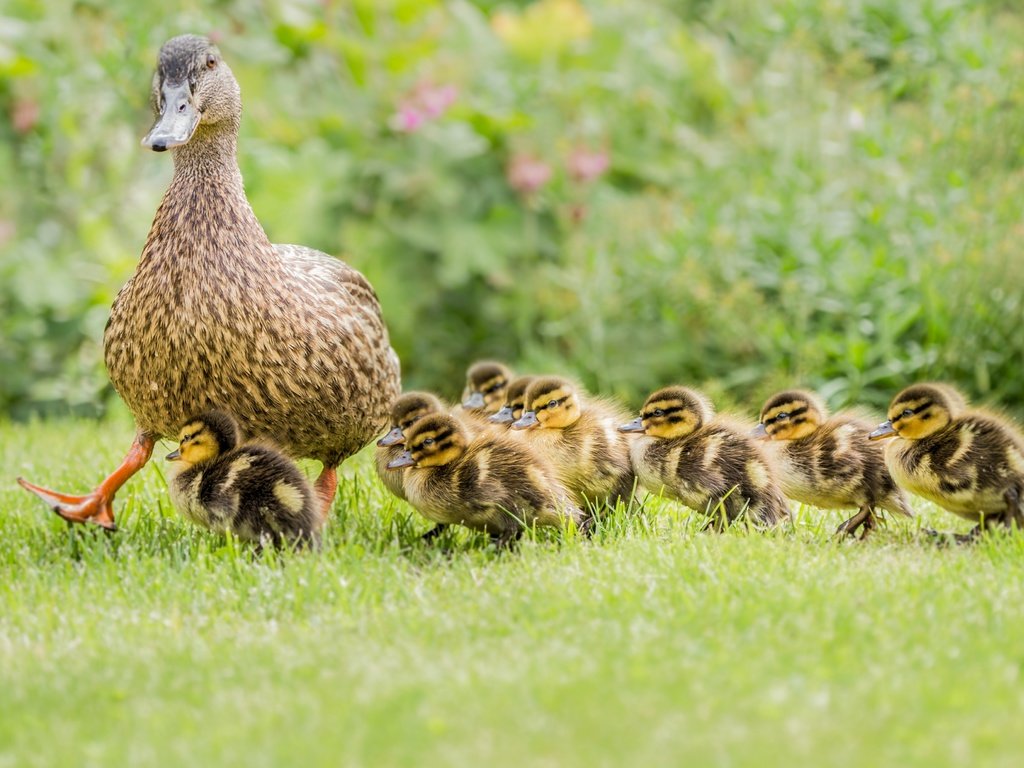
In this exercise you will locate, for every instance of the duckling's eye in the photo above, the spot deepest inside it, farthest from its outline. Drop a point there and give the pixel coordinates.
(658, 412)
(211, 61)
(552, 403)
(428, 441)
(782, 416)
(907, 412)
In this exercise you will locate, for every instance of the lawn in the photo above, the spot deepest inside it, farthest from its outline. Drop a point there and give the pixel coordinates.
(652, 644)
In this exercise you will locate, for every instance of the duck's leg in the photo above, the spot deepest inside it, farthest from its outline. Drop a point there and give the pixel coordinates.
(326, 486)
(865, 518)
(97, 507)
(434, 532)
(1014, 514)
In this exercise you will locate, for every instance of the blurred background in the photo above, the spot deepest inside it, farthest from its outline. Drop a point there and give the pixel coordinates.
(738, 194)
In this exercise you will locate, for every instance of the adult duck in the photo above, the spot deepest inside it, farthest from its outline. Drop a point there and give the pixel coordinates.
(288, 339)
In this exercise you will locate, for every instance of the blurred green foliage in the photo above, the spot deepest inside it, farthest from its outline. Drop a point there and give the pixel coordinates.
(814, 191)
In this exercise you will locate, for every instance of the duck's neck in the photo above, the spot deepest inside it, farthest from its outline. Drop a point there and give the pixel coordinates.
(205, 217)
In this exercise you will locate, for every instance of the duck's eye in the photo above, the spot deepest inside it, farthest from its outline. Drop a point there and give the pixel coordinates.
(429, 441)
(907, 412)
(552, 403)
(211, 61)
(782, 416)
(658, 412)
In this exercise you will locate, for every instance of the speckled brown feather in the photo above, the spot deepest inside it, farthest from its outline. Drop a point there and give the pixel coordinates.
(288, 338)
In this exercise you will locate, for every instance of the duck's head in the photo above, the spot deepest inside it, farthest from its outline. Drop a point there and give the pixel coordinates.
(920, 410)
(193, 91)
(550, 402)
(409, 408)
(672, 412)
(515, 397)
(433, 441)
(486, 382)
(790, 415)
(205, 437)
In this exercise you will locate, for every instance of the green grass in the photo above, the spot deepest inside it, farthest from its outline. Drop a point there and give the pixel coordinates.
(650, 645)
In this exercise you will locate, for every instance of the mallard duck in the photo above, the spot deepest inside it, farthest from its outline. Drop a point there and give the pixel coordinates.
(489, 483)
(486, 382)
(252, 490)
(828, 462)
(968, 461)
(291, 340)
(709, 463)
(515, 398)
(578, 437)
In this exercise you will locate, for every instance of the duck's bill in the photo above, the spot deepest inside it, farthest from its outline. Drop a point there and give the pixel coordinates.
(504, 416)
(759, 432)
(405, 460)
(173, 456)
(527, 420)
(636, 425)
(475, 401)
(177, 122)
(394, 437)
(882, 431)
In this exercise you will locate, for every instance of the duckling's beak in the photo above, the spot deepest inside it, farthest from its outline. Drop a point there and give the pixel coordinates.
(527, 420)
(173, 456)
(504, 416)
(393, 437)
(475, 401)
(178, 119)
(636, 425)
(882, 431)
(759, 432)
(404, 460)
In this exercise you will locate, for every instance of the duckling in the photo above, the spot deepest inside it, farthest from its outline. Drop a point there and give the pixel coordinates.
(488, 483)
(705, 461)
(515, 398)
(486, 383)
(828, 462)
(407, 409)
(968, 461)
(291, 339)
(578, 437)
(252, 490)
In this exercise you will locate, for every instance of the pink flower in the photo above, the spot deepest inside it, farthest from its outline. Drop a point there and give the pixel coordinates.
(408, 119)
(526, 174)
(585, 165)
(435, 100)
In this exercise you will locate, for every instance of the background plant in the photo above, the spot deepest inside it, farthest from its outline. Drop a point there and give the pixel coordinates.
(728, 193)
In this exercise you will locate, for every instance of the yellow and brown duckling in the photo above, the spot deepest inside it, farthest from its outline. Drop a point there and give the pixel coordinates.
(515, 401)
(828, 462)
(291, 338)
(707, 462)
(486, 384)
(407, 409)
(250, 489)
(578, 436)
(488, 483)
(966, 460)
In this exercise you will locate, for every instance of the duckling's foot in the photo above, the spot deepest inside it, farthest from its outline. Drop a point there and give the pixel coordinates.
(96, 507)
(326, 486)
(434, 532)
(507, 539)
(1014, 514)
(864, 519)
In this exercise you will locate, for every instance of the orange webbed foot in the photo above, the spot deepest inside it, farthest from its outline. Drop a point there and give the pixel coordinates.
(93, 507)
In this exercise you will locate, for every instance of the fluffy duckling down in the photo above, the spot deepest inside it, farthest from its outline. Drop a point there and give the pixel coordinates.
(515, 400)
(251, 490)
(578, 437)
(828, 462)
(486, 384)
(707, 462)
(968, 461)
(488, 483)
(407, 409)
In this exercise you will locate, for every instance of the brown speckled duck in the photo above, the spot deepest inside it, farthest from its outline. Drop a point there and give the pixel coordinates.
(289, 339)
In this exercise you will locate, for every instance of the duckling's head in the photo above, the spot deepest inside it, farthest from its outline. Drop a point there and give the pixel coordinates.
(791, 415)
(550, 402)
(920, 410)
(193, 90)
(672, 412)
(515, 397)
(205, 437)
(432, 441)
(486, 383)
(409, 408)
